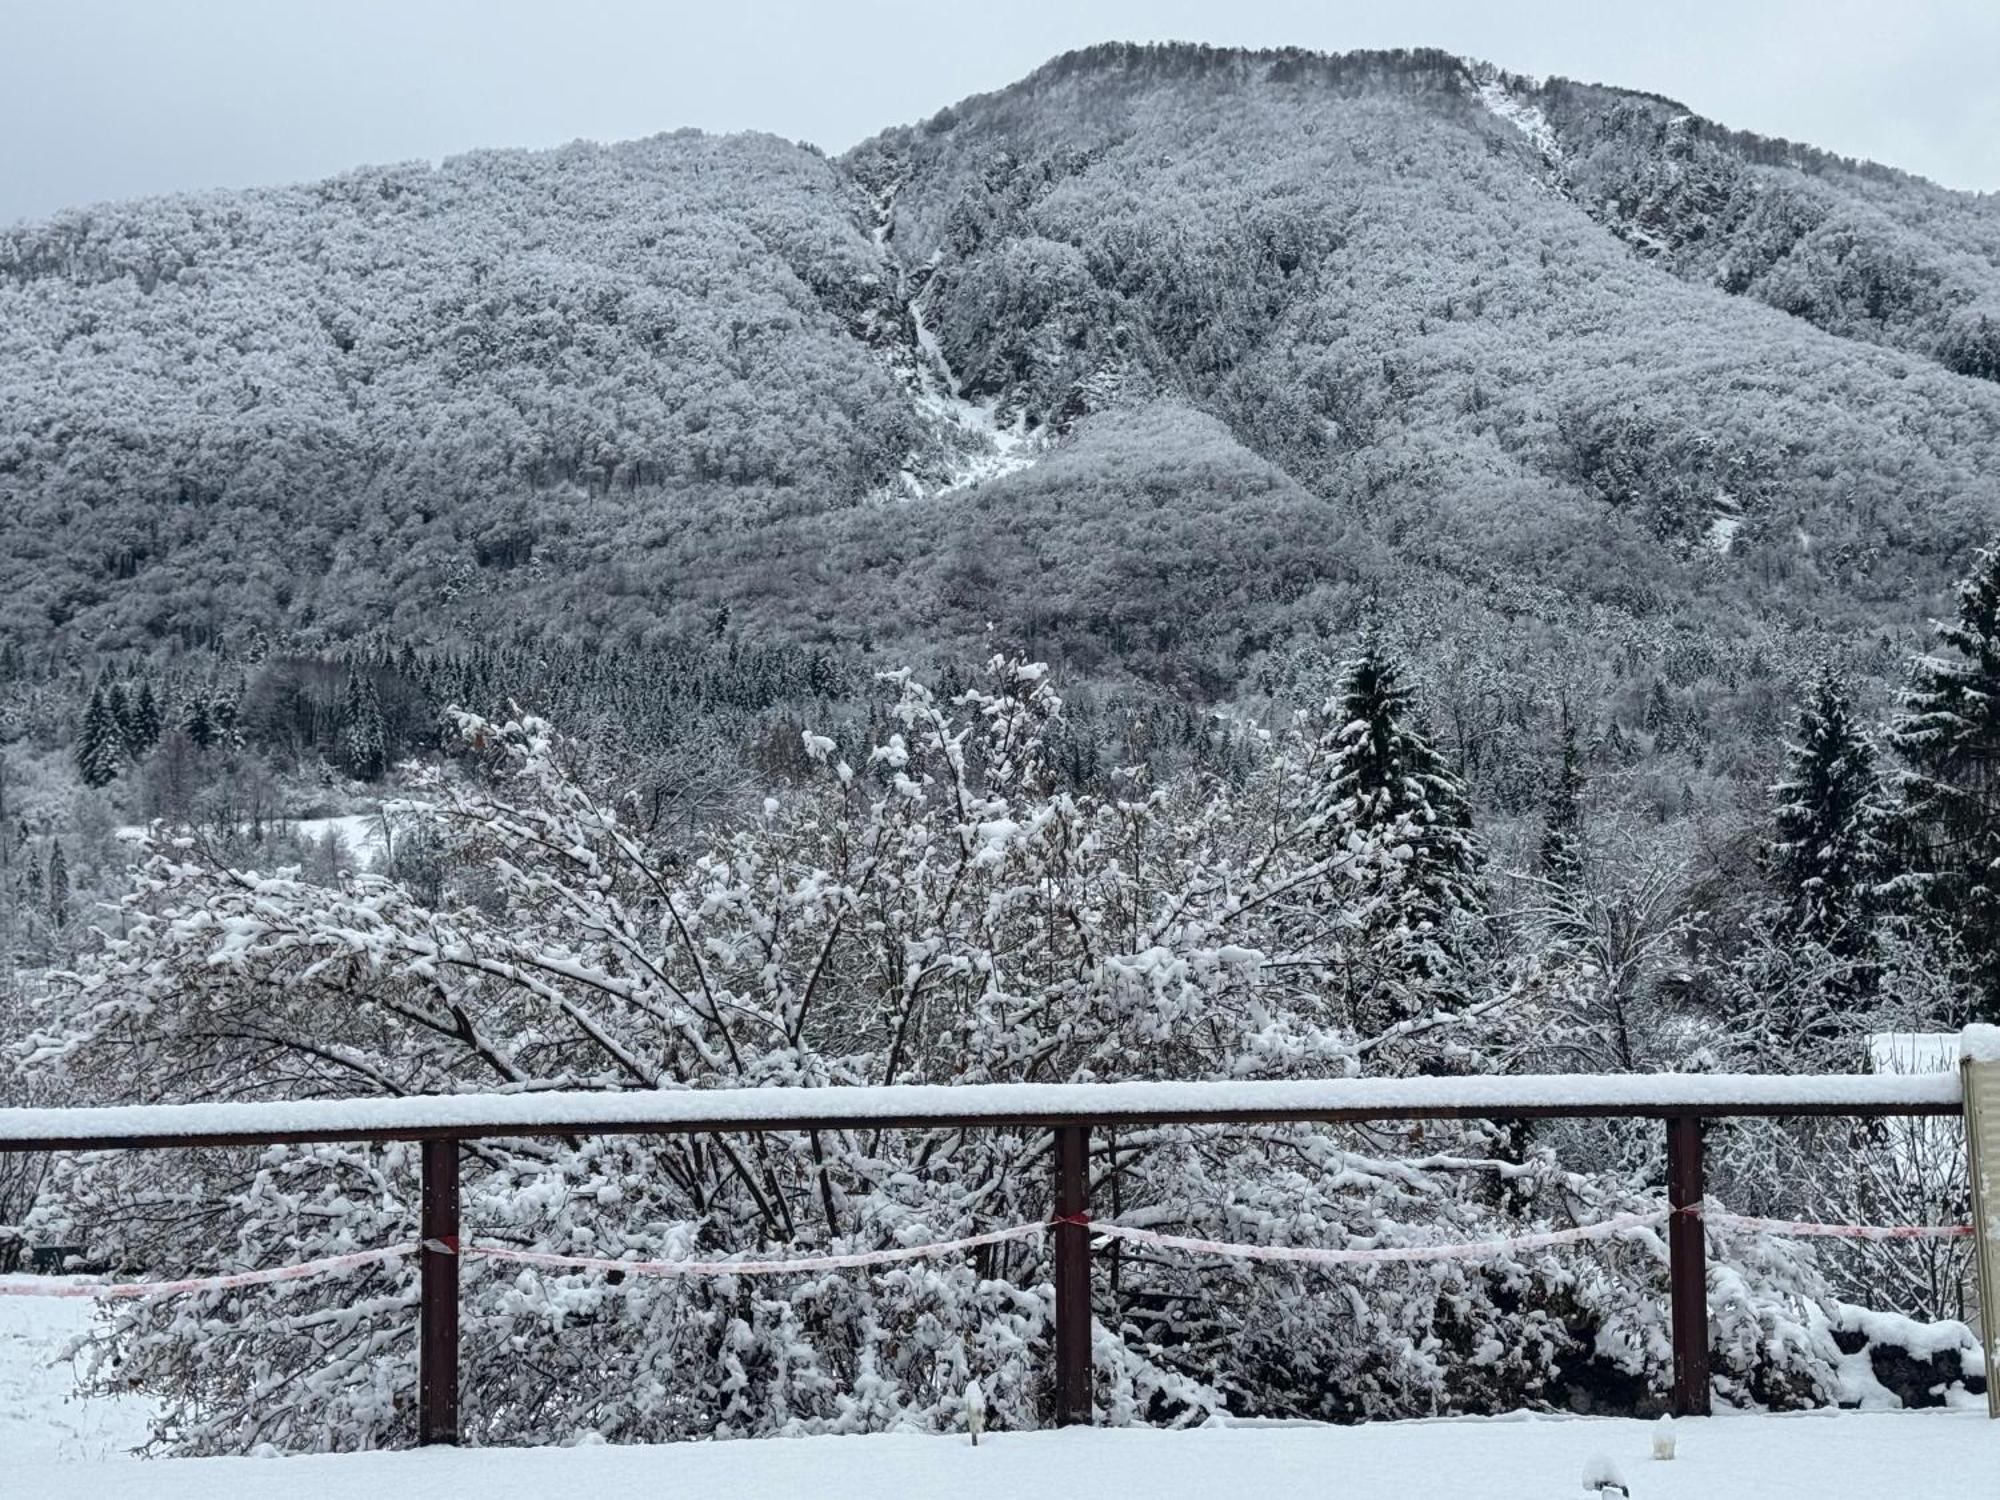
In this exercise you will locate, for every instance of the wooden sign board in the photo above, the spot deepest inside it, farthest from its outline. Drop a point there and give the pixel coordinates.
(1982, 1142)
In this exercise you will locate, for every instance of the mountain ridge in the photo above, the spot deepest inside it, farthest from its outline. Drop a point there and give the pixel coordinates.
(606, 391)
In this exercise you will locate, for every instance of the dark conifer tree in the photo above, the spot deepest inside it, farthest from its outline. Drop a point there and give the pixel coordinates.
(1948, 734)
(1826, 856)
(1388, 784)
(114, 699)
(56, 892)
(1560, 856)
(1659, 713)
(142, 720)
(364, 739)
(100, 744)
(197, 721)
(225, 712)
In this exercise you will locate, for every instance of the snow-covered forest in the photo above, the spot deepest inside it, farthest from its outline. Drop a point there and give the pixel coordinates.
(1197, 565)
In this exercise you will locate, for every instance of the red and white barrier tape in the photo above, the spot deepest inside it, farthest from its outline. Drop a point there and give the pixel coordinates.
(756, 1267)
(103, 1291)
(1385, 1254)
(1794, 1227)
(1302, 1254)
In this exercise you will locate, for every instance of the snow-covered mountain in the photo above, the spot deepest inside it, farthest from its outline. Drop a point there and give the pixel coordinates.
(1156, 358)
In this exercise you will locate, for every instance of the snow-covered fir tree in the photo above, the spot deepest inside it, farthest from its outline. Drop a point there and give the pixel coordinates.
(142, 719)
(1827, 856)
(198, 721)
(100, 742)
(1948, 733)
(225, 710)
(1559, 856)
(364, 737)
(55, 890)
(116, 700)
(1383, 775)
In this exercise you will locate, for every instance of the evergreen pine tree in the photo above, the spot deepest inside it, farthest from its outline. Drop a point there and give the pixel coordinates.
(100, 745)
(114, 699)
(1948, 734)
(1387, 783)
(363, 736)
(142, 720)
(56, 892)
(225, 712)
(1560, 856)
(1659, 712)
(1826, 856)
(197, 720)
(1692, 738)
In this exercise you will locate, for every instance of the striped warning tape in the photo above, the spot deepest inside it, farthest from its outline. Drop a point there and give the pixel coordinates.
(1301, 1254)
(106, 1291)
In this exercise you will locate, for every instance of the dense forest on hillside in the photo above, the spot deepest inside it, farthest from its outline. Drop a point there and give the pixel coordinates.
(1200, 563)
(580, 392)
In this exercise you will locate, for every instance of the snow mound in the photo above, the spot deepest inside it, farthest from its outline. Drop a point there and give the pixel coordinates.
(1980, 1044)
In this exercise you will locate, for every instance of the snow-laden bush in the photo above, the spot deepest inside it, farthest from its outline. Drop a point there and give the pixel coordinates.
(941, 912)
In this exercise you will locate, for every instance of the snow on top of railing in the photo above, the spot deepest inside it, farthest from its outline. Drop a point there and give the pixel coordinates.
(1980, 1044)
(1006, 1103)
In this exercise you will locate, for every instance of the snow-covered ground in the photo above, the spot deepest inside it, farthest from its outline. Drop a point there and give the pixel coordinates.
(54, 1446)
(359, 833)
(42, 1421)
(1919, 1455)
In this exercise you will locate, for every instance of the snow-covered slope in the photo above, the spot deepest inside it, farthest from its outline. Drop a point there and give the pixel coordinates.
(1525, 116)
(677, 366)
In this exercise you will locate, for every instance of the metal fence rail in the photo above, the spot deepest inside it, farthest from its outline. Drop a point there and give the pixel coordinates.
(1071, 1111)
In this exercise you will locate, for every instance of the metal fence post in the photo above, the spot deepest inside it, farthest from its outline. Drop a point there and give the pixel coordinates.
(1072, 1272)
(1687, 1266)
(437, 1299)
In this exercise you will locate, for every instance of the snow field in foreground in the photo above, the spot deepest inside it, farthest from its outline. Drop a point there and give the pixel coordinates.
(54, 1446)
(1820, 1456)
(42, 1421)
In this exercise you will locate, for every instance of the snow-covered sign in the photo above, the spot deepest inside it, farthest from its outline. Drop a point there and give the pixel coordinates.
(1981, 1069)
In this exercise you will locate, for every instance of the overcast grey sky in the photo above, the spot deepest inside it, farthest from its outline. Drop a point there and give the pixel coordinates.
(103, 99)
